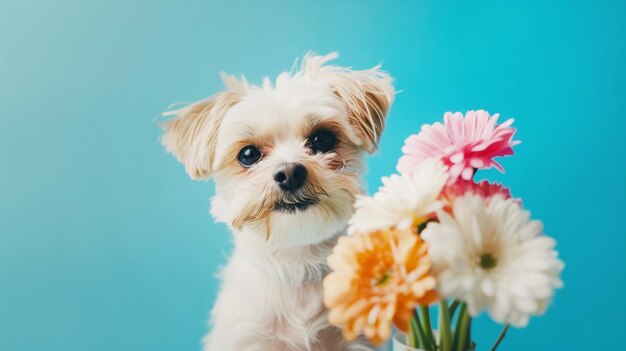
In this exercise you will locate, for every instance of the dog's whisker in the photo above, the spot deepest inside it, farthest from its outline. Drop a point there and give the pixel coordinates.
(343, 164)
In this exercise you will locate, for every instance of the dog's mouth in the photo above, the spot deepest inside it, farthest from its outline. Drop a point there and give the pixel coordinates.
(293, 207)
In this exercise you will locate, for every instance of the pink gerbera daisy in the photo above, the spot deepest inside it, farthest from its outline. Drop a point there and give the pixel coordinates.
(464, 144)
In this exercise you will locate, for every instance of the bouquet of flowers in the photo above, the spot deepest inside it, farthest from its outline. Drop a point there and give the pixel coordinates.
(434, 235)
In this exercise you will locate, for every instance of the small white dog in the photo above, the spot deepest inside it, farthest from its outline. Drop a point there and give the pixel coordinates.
(287, 160)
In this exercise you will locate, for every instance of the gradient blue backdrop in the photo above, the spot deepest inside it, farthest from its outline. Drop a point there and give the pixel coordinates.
(105, 244)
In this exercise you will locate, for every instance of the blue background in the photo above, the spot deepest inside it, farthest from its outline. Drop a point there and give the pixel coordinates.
(105, 244)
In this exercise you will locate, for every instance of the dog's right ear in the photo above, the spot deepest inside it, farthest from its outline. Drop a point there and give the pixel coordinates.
(191, 135)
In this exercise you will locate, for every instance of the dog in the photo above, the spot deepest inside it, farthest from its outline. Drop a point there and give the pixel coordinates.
(287, 158)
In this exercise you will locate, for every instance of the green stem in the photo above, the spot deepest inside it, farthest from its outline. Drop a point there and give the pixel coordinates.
(463, 329)
(468, 343)
(419, 333)
(411, 336)
(457, 328)
(427, 327)
(453, 306)
(500, 337)
(444, 326)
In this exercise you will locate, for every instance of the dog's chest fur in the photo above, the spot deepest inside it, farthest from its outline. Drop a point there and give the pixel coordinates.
(271, 299)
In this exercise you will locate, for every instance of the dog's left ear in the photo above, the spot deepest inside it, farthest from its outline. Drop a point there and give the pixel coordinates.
(367, 95)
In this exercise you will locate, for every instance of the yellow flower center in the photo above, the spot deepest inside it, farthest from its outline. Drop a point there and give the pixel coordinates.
(384, 279)
(420, 223)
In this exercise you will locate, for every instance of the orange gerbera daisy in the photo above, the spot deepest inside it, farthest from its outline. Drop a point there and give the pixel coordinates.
(378, 278)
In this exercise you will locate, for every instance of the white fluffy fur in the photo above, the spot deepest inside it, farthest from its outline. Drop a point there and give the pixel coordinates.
(271, 293)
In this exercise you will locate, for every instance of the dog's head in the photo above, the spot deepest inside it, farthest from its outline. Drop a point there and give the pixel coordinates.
(286, 157)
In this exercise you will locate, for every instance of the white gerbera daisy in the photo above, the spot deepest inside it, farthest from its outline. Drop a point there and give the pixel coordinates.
(493, 257)
(402, 200)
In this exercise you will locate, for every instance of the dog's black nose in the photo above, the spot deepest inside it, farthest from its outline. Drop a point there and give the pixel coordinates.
(290, 176)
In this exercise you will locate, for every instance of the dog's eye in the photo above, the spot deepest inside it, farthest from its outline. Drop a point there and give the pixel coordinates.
(322, 140)
(249, 155)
